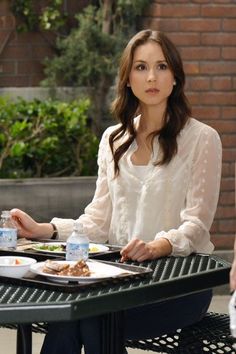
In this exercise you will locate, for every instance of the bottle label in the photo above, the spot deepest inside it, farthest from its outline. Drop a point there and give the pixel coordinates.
(8, 238)
(77, 251)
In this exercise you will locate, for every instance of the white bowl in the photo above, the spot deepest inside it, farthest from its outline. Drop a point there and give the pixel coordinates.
(14, 266)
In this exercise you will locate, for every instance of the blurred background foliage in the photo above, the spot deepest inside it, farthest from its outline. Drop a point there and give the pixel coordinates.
(53, 138)
(87, 52)
(46, 139)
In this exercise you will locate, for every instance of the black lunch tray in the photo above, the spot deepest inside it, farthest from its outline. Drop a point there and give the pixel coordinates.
(38, 281)
(40, 257)
(113, 252)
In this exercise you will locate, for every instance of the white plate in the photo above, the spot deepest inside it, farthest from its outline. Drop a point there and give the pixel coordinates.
(93, 247)
(97, 248)
(98, 271)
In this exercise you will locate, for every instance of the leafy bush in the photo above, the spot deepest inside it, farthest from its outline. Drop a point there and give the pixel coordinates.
(46, 138)
(89, 55)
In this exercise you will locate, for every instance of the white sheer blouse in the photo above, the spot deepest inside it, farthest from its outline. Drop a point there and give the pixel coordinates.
(176, 202)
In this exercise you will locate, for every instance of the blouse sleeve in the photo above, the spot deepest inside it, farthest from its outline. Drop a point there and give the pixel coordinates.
(97, 215)
(201, 200)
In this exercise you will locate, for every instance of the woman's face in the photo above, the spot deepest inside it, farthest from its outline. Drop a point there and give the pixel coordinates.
(150, 79)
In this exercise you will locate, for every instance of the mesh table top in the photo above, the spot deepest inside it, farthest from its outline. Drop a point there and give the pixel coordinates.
(171, 277)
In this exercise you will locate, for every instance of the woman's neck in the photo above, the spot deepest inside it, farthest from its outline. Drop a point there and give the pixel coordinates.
(151, 120)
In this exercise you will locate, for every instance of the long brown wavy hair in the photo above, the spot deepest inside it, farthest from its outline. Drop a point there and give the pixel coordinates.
(126, 105)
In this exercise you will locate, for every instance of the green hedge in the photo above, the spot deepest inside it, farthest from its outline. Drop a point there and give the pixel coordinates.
(46, 139)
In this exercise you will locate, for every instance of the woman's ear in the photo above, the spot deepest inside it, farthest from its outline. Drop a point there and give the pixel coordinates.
(128, 84)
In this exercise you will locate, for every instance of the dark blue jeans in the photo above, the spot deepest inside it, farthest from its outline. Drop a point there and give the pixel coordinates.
(147, 321)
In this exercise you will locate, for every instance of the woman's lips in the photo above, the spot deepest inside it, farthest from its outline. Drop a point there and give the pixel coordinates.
(152, 90)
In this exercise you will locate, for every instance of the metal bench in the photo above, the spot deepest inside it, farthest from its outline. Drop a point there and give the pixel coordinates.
(210, 335)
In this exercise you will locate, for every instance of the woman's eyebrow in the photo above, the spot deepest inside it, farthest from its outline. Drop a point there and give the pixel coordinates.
(143, 61)
(139, 61)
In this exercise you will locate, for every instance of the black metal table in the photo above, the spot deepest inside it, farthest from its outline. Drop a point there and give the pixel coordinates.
(172, 277)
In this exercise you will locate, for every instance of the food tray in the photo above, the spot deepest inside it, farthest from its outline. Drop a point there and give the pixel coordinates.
(38, 281)
(113, 252)
(30, 253)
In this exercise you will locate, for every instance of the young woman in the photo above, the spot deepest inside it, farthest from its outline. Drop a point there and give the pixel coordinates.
(157, 188)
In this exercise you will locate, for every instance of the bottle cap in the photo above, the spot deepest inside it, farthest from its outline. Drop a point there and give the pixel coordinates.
(78, 226)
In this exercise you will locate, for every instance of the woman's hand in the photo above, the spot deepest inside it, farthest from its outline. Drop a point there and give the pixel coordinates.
(28, 227)
(138, 250)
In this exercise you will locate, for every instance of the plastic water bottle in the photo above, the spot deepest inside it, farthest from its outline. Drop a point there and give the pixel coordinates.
(77, 245)
(8, 231)
(232, 316)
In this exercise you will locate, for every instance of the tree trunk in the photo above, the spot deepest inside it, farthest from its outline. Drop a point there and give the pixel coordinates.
(107, 16)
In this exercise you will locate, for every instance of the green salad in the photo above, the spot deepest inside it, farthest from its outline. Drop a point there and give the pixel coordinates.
(51, 248)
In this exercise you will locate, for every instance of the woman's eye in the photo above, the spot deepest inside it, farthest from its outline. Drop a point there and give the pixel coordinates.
(162, 66)
(140, 67)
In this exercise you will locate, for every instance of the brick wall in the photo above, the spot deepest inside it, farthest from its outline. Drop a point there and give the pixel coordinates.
(21, 54)
(205, 33)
